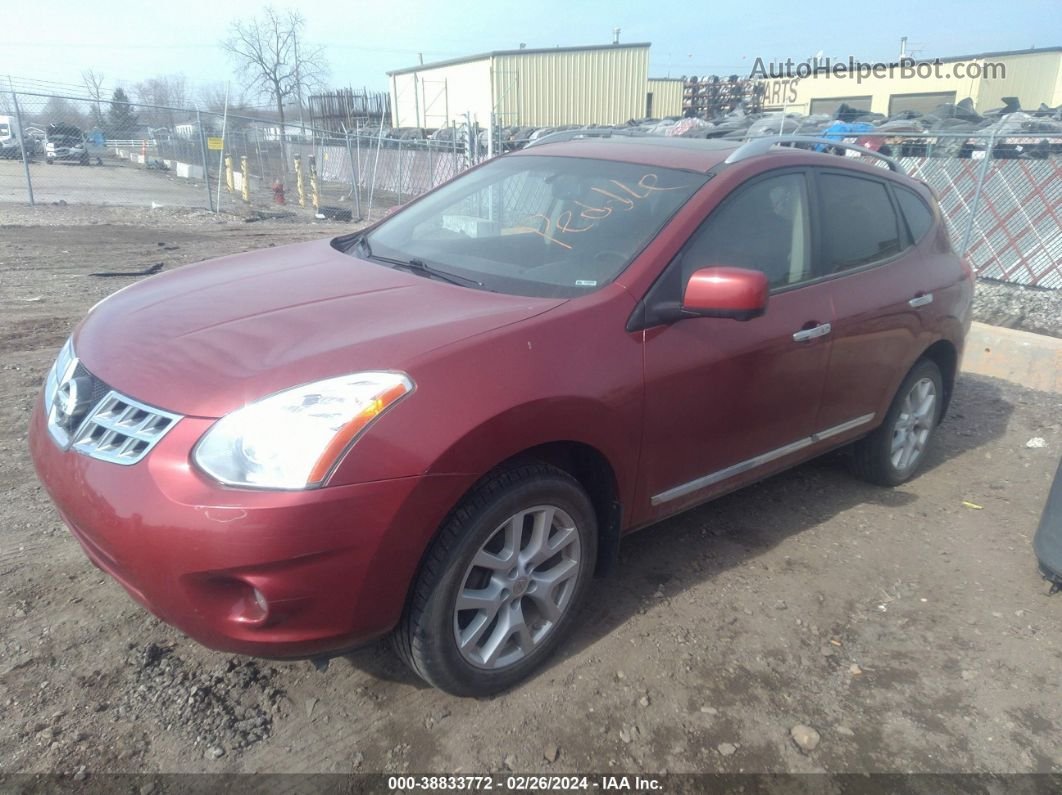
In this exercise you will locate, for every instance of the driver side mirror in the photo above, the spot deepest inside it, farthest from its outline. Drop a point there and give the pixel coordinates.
(737, 293)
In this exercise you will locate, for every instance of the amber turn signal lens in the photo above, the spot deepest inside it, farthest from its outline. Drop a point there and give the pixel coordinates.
(349, 432)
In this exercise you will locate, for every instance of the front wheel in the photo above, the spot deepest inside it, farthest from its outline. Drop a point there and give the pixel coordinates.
(501, 583)
(892, 454)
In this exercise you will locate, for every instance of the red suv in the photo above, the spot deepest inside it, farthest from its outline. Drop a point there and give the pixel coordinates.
(441, 427)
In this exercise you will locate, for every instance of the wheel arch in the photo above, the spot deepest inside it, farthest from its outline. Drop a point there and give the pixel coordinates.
(945, 355)
(592, 469)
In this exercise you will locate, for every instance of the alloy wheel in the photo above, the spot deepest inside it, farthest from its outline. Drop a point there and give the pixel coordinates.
(518, 587)
(913, 425)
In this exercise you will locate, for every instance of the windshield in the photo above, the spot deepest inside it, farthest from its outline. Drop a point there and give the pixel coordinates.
(5, 131)
(537, 226)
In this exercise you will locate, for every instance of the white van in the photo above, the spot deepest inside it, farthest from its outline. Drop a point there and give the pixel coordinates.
(9, 147)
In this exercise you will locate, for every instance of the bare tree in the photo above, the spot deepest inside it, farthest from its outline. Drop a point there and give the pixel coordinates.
(213, 98)
(61, 111)
(94, 84)
(167, 91)
(274, 61)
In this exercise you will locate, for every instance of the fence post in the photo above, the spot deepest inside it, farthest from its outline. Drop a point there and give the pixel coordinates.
(982, 174)
(22, 148)
(353, 178)
(315, 191)
(299, 186)
(258, 149)
(398, 173)
(375, 169)
(357, 144)
(245, 168)
(431, 167)
(203, 155)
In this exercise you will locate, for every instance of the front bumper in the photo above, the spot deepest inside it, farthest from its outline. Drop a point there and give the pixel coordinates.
(266, 573)
(66, 154)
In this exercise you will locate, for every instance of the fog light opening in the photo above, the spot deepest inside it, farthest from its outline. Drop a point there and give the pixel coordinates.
(251, 606)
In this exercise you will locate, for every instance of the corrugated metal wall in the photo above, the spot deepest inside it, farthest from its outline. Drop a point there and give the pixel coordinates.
(667, 96)
(592, 86)
(1032, 77)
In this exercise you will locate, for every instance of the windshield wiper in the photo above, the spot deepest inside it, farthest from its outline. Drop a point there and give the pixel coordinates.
(413, 265)
(420, 266)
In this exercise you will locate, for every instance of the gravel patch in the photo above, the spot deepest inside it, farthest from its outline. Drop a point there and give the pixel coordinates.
(231, 706)
(1015, 306)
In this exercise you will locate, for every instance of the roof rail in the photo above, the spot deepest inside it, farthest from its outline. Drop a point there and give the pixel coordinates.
(585, 132)
(760, 146)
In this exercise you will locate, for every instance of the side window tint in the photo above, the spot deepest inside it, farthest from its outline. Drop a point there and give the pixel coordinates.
(858, 223)
(919, 217)
(763, 226)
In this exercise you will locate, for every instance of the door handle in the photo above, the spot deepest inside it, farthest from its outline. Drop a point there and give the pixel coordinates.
(811, 333)
(920, 300)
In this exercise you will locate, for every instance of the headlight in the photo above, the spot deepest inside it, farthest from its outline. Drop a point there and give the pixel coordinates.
(293, 439)
(58, 372)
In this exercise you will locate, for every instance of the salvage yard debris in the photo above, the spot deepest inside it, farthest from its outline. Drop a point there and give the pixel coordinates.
(151, 271)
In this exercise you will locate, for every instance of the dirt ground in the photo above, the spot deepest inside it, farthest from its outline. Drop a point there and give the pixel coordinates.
(908, 627)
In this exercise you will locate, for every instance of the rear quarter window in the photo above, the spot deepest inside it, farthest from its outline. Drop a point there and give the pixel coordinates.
(915, 211)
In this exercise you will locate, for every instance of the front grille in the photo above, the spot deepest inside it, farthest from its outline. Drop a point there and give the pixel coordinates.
(99, 389)
(122, 430)
(88, 416)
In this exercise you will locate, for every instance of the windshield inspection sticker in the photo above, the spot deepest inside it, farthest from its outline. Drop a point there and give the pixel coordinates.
(585, 283)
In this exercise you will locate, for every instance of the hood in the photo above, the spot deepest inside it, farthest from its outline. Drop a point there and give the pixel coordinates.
(209, 338)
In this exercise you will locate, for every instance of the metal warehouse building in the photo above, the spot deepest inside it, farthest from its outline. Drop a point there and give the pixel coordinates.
(1033, 76)
(607, 84)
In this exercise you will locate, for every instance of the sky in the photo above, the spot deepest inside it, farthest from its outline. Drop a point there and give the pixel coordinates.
(131, 40)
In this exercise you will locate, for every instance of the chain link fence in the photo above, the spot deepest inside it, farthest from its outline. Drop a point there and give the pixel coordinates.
(1001, 195)
(57, 149)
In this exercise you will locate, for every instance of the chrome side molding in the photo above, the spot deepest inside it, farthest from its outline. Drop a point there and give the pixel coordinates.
(757, 461)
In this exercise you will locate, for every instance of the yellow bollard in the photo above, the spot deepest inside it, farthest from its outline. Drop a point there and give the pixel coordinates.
(246, 178)
(228, 173)
(315, 193)
(298, 181)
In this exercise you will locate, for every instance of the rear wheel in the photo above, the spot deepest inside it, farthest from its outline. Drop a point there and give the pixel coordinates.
(501, 583)
(892, 454)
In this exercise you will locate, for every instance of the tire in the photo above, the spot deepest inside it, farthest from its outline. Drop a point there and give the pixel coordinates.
(488, 544)
(892, 454)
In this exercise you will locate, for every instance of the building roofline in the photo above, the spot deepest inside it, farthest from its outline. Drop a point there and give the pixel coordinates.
(526, 51)
(996, 54)
(666, 79)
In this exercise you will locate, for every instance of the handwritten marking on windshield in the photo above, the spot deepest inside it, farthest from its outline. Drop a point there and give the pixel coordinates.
(590, 214)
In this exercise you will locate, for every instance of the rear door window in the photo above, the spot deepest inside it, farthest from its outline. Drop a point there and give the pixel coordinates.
(859, 225)
(918, 216)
